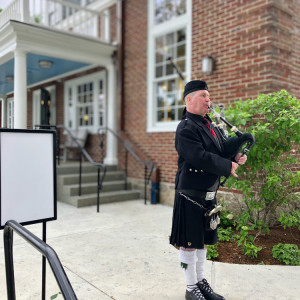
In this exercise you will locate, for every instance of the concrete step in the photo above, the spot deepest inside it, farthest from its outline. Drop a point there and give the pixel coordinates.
(91, 188)
(69, 179)
(73, 168)
(105, 197)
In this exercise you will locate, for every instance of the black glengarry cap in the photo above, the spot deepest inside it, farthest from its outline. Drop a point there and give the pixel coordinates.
(193, 86)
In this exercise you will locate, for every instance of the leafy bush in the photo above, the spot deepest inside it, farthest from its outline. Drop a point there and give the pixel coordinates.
(267, 180)
(290, 219)
(287, 253)
(225, 234)
(227, 219)
(251, 250)
(212, 251)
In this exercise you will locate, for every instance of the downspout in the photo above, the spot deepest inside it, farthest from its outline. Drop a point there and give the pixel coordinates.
(120, 51)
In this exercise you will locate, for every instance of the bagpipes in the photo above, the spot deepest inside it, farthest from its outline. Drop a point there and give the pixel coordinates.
(233, 145)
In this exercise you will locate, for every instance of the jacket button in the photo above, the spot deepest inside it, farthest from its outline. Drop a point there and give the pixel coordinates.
(191, 170)
(196, 171)
(201, 170)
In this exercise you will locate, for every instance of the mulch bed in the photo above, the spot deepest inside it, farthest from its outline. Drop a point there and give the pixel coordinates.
(230, 252)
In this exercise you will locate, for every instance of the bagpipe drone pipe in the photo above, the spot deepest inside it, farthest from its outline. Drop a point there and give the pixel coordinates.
(241, 142)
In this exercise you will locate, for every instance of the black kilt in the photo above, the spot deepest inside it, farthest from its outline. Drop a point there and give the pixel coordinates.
(188, 223)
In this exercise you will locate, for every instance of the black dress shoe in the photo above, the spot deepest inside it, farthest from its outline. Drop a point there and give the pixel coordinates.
(195, 294)
(207, 291)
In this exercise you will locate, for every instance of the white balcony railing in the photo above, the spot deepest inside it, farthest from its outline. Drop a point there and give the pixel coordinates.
(61, 15)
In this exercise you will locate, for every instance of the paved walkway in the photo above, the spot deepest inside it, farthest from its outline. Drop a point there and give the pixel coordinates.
(122, 253)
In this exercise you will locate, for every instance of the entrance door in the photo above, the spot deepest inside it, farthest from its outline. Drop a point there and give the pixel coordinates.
(42, 113)
(45, 107)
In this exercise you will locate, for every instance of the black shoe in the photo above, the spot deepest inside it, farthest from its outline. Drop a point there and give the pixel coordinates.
(195, 294)
(207, 291)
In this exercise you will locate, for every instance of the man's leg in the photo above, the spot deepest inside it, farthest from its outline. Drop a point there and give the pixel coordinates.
(203, 285)
(188, 259)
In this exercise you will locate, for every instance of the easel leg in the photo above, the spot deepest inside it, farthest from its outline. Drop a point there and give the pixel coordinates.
(44, 266)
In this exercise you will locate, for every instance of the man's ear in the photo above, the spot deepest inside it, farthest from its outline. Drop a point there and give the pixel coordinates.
(188, 99)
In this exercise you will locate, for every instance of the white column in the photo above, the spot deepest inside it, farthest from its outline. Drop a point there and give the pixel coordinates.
(3, 111)
(111, 141)
(20, 90)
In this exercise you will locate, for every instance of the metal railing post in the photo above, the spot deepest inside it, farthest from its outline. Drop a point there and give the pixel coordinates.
(145, 184)
(9, 264)
(98, 190)
(54, 262)
(80, 169)
(126, 168)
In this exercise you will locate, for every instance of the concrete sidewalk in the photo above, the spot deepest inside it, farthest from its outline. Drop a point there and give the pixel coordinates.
(123, 253)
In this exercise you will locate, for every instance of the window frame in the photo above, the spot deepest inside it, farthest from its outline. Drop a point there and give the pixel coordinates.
(154, 31)
(10, 120)
(73, 84)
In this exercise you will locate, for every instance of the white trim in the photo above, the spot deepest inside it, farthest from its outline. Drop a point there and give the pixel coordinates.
(10, 101)
(153, 32)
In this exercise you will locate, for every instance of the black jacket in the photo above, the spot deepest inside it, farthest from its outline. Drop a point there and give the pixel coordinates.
(200, 160)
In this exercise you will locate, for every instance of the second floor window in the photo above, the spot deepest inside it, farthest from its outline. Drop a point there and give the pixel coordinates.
(169, 38)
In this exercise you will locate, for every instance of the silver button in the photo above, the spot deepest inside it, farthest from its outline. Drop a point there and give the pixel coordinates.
(191, 170)
(196, 171)
(201, 170)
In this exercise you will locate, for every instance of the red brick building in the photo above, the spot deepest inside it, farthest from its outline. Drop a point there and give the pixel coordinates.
(255, 47)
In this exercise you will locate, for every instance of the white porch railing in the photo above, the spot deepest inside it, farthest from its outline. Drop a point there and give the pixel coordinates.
(60, 15)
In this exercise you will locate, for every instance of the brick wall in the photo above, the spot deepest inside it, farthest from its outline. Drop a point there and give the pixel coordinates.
(255, 45)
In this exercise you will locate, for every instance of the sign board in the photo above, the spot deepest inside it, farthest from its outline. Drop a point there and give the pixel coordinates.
(27, 176)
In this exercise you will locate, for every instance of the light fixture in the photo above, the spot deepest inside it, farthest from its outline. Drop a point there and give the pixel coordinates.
(9, 78)
(45, 64)
(208, 64)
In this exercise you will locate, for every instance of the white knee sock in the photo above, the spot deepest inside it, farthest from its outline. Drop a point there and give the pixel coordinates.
(188, 261)
(200, 265)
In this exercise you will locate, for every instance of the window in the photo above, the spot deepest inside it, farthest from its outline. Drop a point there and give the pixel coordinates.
(10, 113)
(169, 58)
(85, 102)
(168, 9)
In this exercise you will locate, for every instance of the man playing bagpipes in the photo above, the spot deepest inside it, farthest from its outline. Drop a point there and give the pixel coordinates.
(201, 163)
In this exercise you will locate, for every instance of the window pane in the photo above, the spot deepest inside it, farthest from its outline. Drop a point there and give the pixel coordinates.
(160, 116)
(159, 71)
(165, 10)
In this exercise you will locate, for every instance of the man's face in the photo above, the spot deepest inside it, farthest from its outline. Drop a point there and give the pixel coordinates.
(198, 102)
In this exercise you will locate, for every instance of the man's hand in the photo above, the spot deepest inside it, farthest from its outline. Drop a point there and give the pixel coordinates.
(241, 160)
(234, 166)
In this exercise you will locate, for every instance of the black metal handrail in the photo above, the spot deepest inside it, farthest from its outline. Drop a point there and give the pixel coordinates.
(86, 155)
(147, 164)
(48, 252)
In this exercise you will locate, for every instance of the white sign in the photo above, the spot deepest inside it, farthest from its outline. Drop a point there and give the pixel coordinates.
(28, 176)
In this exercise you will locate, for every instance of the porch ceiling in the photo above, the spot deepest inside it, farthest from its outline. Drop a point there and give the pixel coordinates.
(68, 52)
(35, 73)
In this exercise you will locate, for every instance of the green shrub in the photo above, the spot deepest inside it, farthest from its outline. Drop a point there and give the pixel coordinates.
(251, 250)
(225, 234)
(287, 253)
(212, 251)
(291, 219)
(267, 180)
